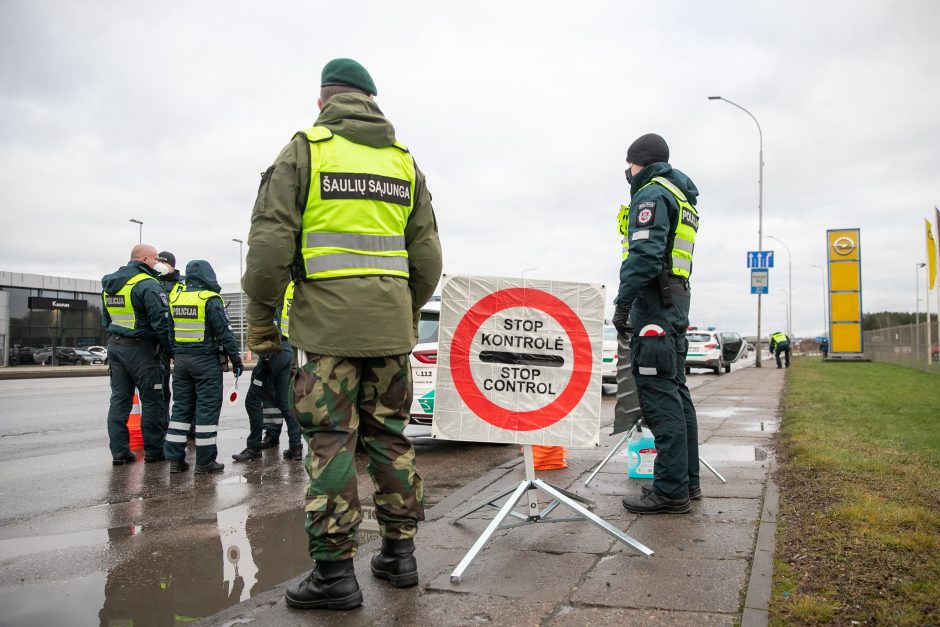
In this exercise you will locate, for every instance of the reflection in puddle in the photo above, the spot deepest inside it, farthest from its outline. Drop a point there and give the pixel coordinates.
(731, 452)
(18, 547)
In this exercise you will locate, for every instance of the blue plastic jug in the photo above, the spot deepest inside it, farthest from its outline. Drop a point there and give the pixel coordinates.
(641, 453)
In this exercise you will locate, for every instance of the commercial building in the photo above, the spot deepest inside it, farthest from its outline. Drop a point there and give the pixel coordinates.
(38, 312)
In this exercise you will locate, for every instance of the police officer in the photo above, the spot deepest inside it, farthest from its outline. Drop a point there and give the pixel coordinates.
(653, 301)
(199, 327)
(367, 255)
(135, 315)
(172, 282)
(267, 401)
(780, 343)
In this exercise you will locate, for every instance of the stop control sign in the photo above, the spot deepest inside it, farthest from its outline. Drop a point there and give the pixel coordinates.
(519, 361)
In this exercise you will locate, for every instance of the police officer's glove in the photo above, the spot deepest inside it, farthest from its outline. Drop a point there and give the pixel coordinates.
(621, 319)
(264, 339)
(237, 366)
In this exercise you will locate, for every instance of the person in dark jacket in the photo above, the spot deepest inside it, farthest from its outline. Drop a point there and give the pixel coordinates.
(135, 316)
(780, 343)
(199, 328)
(653, 302)
(172, 281)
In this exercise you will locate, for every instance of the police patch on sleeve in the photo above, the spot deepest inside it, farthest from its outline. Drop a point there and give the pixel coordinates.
(645, 212)
(163, 299)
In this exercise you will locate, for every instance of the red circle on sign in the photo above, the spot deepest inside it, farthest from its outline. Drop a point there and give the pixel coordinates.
(471, 394)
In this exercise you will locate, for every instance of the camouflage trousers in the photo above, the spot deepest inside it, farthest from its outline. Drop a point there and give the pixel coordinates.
(339, 401)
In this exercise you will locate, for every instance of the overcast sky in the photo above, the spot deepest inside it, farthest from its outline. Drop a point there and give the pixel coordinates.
(519, 114)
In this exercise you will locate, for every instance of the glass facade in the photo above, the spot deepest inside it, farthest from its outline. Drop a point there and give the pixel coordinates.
(39, 328)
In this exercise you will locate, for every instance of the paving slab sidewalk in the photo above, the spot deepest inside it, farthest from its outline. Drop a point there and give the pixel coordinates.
(711, 567)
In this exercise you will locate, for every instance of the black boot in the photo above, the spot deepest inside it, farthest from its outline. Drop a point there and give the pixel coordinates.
(125, 458)
(295, 452)
(330, 585)
(212, 466)
(695, 492)
(247, 454)
(652, 503)
(268, 442)
(396, 563)
(179, 465)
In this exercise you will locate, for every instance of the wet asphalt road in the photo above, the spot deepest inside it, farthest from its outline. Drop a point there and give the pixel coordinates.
(85, 543)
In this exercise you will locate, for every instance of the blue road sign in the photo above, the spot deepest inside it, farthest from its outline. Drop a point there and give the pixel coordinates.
(760, 259)
(760, 280)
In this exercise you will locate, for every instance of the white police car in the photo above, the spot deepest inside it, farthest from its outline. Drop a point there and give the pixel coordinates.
(424, 363)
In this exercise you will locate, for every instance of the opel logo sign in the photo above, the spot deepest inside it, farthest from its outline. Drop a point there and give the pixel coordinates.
(844, 246)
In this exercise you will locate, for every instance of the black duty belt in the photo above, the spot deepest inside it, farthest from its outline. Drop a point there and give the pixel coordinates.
(123, 340)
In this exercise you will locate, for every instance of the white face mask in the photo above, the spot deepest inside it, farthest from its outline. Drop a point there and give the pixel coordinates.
(161, 268)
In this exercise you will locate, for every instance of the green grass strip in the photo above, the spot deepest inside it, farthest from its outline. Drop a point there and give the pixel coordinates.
(859, 522)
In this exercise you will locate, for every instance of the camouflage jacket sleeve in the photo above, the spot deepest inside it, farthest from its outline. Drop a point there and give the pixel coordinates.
(275, 227)
(424, 246)
(650, 220)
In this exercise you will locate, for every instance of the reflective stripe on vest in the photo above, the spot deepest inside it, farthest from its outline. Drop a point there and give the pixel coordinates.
(119, 304)
(683, 237)
(285, 309)
(358, 205)
(188, 310)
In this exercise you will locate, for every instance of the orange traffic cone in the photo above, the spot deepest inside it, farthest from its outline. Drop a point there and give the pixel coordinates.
(136, 439)
(548, 457)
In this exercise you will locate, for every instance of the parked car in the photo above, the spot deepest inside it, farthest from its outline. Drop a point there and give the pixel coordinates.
(21, 355)
(609, 363)
(101, 351)
(66, 355)
(714, 350)
(424, 363)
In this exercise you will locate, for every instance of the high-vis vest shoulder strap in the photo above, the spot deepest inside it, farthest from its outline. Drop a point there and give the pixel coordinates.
(176, 289)
(189, 315)
(119, 304)
(285, 308)
(683, 238)
(358, 205)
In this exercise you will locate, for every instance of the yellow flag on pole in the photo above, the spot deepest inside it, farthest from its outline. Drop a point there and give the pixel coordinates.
(931, 256)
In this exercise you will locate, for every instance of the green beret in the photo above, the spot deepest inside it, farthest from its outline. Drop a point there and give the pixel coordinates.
(347, 72)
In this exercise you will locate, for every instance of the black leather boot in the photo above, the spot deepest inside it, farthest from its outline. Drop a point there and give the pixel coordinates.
(330, 585)
(396, 563)
(295, 452)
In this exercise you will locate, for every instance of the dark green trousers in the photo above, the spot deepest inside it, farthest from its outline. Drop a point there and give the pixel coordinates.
(659, 367)
(268, 403)
(135, 366)
(197, 399)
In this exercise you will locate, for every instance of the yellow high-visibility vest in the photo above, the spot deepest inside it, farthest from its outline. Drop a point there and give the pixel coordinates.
(358, 205)
(188, 310)
(119, 304)
(285, 308)
(683, 236)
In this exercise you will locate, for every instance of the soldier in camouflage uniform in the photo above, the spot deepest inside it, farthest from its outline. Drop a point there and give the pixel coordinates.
(346, 211)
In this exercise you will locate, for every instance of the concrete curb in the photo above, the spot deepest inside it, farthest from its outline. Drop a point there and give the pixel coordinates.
(760, 582)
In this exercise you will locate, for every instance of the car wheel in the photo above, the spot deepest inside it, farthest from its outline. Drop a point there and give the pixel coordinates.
(688, 371)
(719, 367)
(727, 367)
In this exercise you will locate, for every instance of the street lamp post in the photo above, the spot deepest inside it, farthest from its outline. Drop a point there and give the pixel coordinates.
(241, 297)
(825, 294)
(140, 233)
(790, 288)
(760, 205)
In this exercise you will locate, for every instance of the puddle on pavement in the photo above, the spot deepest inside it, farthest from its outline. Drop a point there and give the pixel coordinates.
(715, 413)
(167, 581)
(731, 453)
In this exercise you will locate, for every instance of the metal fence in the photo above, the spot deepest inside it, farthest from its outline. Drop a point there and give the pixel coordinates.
(905, 346)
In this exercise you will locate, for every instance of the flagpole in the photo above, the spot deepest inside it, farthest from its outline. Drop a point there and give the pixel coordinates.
(929, 342)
